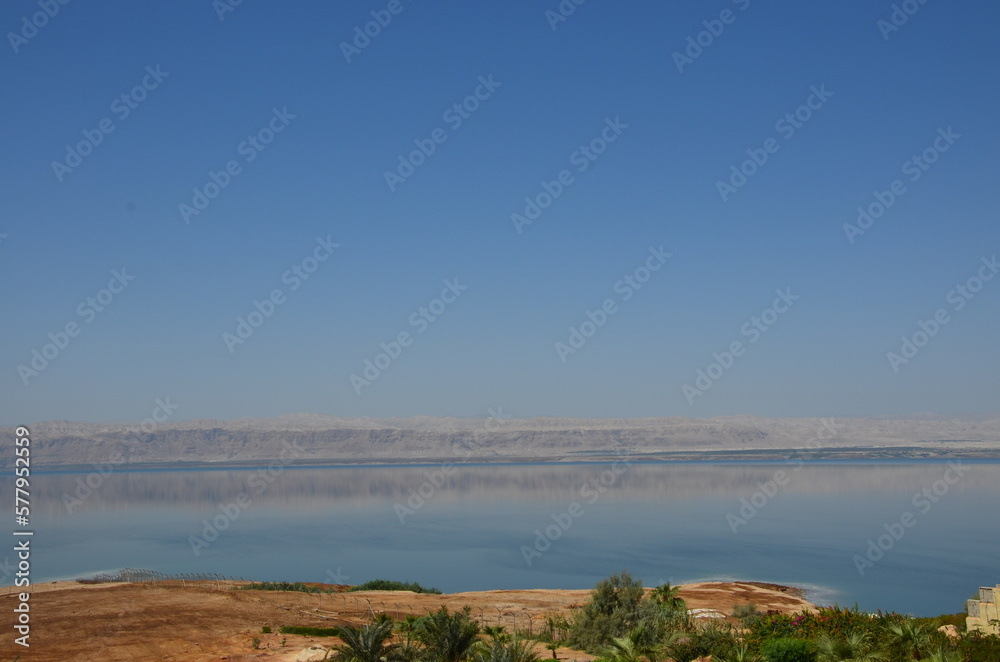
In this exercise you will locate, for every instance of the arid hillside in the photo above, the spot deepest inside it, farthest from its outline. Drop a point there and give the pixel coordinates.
(304, 438)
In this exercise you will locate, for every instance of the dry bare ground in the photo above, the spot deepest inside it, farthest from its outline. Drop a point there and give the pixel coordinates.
(203, 621)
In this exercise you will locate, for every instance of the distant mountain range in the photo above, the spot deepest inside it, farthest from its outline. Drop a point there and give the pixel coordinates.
(312, 438)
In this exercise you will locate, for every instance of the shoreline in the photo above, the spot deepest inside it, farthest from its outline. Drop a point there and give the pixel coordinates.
(906, 455)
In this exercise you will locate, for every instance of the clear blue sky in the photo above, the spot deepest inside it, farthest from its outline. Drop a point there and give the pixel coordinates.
(494, 346)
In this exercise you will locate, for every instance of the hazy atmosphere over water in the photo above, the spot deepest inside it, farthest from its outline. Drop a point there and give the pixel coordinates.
(259, 209)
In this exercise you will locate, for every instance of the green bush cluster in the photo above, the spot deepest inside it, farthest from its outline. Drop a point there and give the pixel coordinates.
(621, 623)
(834, 622)
(788, 649)
(309, 632)
(392, 585)
(438, 637)
(279, 586)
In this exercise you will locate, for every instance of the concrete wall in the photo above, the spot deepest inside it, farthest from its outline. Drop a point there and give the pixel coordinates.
(984, 610)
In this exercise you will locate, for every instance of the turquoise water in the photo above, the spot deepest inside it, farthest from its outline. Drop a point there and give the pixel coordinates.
(479, 527)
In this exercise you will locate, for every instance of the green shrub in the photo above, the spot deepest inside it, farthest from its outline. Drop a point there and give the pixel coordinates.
(748, 614)
(787, 649)
(612, 611)
(266, 629)
(715, 640)
(833, 622)
(978, 647)
(958, 620)
(309, 632)
(392, 585)
(278, 586)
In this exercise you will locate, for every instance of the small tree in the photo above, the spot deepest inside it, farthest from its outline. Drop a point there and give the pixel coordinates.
(630, 648)
(668, 596)
(615, 607)
(366, 644)
(448, 637)
(506, 651)
(910, 638)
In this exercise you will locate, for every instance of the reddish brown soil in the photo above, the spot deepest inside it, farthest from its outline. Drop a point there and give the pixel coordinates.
(204, 621)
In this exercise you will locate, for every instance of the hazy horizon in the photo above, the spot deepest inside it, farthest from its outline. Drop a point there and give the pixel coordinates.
(500, 415)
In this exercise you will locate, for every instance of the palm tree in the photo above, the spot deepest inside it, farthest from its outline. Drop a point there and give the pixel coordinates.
(855, 648)
(941, 655)
(366, 643)
(408, 628)
(496, 633)
(506, 651)
(448, 637)
(911, 637)
(669, 596)
(741, 653)
(408, 650)
(630, 648)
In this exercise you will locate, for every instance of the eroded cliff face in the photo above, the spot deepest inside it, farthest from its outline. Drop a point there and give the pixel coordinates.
(308, 437)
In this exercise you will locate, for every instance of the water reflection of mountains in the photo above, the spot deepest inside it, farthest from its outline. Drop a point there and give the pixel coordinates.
(340, 487)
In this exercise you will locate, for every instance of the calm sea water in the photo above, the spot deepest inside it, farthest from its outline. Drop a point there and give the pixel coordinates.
(482, 527)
